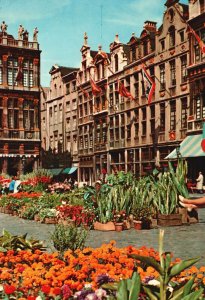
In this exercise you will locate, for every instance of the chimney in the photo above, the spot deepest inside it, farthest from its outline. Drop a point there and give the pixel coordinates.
(150, 25)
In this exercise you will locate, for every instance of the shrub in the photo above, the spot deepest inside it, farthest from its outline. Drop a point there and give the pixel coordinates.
(68, 237)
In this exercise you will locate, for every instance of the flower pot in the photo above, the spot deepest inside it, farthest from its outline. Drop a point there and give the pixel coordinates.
(118, 227)
(193, 216)
(137, 225)
(109, 226)
(50, 220)
(36, 218)
(169, 220)
(126, 225)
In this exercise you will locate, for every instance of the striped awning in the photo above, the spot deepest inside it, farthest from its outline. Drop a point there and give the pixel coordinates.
(66, 171)
(190, 147)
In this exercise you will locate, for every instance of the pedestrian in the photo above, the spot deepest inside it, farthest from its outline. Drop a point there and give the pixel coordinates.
(12, 184)
(199, 185)
(17, 185)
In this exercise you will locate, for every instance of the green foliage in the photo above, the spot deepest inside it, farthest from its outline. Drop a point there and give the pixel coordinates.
(30, 211)
(16, 243)
(163, 288)
(66, 237)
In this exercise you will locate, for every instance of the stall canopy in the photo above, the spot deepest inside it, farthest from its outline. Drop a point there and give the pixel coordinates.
(55, 172)
(190, 147)
(69, 170)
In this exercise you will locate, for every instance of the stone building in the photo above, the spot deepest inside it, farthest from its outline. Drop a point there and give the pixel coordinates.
(59, 120)
(19, 101)
(121, 131)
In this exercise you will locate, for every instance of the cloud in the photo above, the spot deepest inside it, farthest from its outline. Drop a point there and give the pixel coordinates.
(22, 10)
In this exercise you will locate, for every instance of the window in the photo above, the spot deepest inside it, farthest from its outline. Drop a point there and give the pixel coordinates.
(13, 112)
(28, 115)
(202, 6)
(55, 114)
(162, 45)
(184, 113)
(31, 78)
(181, 33)
(173, 115)
(116, 62)
(128, 131)
(133, 51)
(183, 69)
(173, 73)
(25, 77)
(145, 48)
(162, 117)
(144, 123)
(172, 36)
(136, 129)
(67, 88)
(162, 77)
(152, 111)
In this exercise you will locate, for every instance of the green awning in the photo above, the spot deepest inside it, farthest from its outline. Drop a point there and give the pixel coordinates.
(55, 172)
(66, 171)
(72, 170)
(189, 147)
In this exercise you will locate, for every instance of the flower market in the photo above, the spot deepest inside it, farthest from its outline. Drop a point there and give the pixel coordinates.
(80, 254)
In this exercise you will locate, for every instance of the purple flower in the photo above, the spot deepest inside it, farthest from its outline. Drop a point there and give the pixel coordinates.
(83, 294)
(103, 278)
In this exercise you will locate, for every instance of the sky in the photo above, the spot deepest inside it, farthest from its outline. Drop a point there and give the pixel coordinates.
(62, 23)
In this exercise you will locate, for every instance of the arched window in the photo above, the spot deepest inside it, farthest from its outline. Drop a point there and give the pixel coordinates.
(116, 63)
(172, 36)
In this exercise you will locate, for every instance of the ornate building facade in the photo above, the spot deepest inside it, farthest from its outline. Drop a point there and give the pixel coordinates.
(19, 101)
(116, 131)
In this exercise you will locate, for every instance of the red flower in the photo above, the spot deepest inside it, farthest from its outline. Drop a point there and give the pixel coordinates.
(31, 298)
(9, 289)
(56, 291)
(21, 269)
(46, 289)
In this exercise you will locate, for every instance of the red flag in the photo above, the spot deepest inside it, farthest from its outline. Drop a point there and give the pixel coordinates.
(149, 85)
(201, 43)
(95, 89)
(123, 91)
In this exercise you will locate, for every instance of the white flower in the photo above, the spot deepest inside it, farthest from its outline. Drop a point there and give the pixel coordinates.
(154, 282)
(90, 297)
(100, 293)
(1, 288)
(39, 298)
(88, 285)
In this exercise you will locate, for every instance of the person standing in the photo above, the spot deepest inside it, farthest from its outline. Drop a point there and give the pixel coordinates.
(11, 185)
(200, 181)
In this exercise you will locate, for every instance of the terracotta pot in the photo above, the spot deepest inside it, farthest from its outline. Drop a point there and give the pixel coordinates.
(118, 227)
(36, 218)
(126, 225)
(50, 220)
(109, 226)
(137, 225)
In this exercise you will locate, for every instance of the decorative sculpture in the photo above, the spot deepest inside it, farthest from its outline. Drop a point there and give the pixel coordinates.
(20, 32)
(35, 35)
(4, 27)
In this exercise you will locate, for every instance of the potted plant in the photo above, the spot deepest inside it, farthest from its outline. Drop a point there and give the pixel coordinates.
(119, 218)
(142, 217)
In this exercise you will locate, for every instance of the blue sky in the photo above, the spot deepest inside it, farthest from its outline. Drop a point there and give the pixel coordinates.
(62, 25)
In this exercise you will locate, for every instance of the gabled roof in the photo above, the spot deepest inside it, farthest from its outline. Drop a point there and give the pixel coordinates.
(63, 70)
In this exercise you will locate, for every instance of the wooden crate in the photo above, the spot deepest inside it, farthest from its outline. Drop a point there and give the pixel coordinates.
(169, 220)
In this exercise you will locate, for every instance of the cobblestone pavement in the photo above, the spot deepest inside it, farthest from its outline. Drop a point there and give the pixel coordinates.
(184, 241)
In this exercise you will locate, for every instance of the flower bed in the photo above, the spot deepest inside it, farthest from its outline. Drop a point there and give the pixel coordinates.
(26, 275)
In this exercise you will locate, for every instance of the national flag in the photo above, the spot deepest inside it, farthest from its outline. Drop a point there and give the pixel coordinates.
(149, 85)
(200, 42)
(95, 89)
(203, 138)
(123, 91)
(82, 90)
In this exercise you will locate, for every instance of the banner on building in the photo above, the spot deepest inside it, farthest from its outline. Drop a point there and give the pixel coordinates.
(149, 85)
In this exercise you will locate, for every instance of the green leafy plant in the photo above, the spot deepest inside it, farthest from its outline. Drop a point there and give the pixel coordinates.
(16, 243)
(68, 237)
